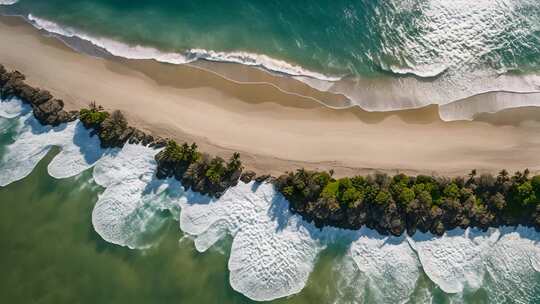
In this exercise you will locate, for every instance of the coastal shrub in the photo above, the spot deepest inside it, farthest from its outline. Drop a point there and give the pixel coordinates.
(383, 197)
(234, 163)
(302, 186)
(389, 204)
(216, 170)
(175, 159)
(185, 154)
(406, 196)
(393, 204)
(92, 117)
(198, 171)
(535, 183)
(113, 131)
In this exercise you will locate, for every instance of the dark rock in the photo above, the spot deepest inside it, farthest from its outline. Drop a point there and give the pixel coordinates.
(136, 137)
(51, 113)
(147, 139)
(437, 228)
(42, 96)
(73, 115)
(262, 178)
(158, 143)
(248, 176)
(11, 84)
(397, 226)
(114, 131)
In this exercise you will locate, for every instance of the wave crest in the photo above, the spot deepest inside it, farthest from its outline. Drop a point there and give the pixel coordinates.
(121, 49)
(8, 2)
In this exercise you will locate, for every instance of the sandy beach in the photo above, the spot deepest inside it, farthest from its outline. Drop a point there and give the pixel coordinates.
(274, 129)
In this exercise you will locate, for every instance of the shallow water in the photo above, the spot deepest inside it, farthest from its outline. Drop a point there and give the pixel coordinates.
(51, 254)
(381, 55)
(244, 245)
(333, 37)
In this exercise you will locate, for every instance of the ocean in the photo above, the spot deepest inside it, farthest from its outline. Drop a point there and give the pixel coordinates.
(382, 55)
(84, 224)
(81, 224)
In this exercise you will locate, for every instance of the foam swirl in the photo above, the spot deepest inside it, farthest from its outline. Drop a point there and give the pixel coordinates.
(273, 251)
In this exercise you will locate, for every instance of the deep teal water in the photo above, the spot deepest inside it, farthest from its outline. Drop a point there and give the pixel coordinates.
(339, 37)
(50, 253)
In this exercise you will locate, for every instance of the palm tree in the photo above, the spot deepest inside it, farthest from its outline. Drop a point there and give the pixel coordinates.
(472, 175)
(503, 176)
(234, 163)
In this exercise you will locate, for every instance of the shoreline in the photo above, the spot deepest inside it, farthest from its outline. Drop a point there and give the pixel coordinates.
(372, 93)
(274, 131)
(388, 204)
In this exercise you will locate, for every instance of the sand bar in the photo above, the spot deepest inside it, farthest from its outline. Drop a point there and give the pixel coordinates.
(275, 131)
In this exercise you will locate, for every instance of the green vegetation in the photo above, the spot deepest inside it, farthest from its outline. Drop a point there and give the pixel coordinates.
(388, 204)
(399, 203)
(198, 171)
(93, 117)
(175, 159)
(114, 130)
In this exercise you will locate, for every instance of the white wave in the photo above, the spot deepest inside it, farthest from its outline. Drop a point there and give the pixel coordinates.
(273, 251)
(494, 102)
(512, 264)
(454, 261)
(33, 142)
(79, 151)
(8, 2)
(128, 211)
(12, 108)
(350, 282)
(457, 34)
(461, 44)
(378, 94)
(121, 49)
(389, 263)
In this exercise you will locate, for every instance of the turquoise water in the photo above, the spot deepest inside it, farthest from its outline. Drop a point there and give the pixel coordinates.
(54, 249)
(51, 254)
(344, 37)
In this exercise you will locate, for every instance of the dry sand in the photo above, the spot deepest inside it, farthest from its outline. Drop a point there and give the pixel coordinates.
(274, 131)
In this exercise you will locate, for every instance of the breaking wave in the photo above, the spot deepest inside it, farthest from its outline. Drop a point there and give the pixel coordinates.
(121, 49)
(8, 2)
(455, 83)
(273, 251)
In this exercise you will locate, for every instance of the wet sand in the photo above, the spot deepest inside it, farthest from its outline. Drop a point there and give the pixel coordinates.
(274, 129)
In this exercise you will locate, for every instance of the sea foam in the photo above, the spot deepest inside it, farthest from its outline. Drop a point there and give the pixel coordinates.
(128, 212)
(451, 80)
(121, 49)
(454, 261)
(33, 141)
(8, 2)
(512, 266)
(273, 251)
(12, 108)
(389, 263)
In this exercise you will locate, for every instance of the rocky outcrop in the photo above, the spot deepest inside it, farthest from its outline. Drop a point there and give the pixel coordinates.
(248, 176)
(112, 128)
(48, 111)
(51, 112)
(264, 178)
(197, 171)
(390, 205)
